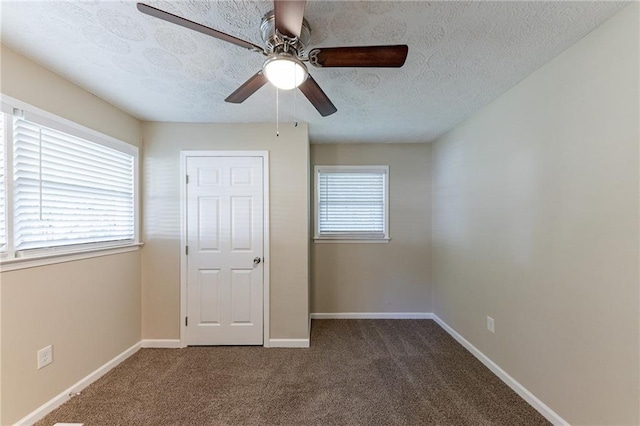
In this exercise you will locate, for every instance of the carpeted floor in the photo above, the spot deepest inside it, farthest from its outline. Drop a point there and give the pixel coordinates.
(357, 372)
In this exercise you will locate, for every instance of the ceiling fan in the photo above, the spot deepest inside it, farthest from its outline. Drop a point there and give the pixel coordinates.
(286, 34)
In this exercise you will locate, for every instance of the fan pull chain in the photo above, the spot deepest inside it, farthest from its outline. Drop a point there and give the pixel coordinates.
(295, 101)
(277, 112)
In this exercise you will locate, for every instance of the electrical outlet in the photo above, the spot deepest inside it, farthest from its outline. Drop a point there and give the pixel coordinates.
(45, 356)
(490, 325)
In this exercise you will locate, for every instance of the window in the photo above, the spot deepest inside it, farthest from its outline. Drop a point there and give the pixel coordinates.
(351, 203)
(65, 188)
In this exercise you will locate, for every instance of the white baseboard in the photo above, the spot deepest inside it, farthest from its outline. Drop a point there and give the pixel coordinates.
(373, 315)
(63, 396)
(288, 343)
(540, 406)
(161, 343)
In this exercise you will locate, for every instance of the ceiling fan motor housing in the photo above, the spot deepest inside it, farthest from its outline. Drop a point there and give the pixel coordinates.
(279, 43)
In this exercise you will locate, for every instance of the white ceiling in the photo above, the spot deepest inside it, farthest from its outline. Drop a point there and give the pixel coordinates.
(462, 55)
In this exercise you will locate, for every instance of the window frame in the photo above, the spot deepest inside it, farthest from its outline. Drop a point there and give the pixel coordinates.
(350, 237)
(11, 260)
(8, 200)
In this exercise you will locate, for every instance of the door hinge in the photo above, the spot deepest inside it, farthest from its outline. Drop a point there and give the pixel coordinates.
(186, 250)
(187, 179)
(186, 321)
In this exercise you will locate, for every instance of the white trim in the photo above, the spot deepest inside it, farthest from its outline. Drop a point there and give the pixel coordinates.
(63, 396)
(525, 394)
(183, 244)
(289, 343)
(536, 403)
(324, 240)
(8, 185)
(373, 315)
(266, 293)
(161, 343)
(56, 122)
(64, 256)
(266, 262)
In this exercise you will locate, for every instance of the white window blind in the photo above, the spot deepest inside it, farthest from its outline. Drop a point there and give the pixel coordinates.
(351, 202)
(68, 190)
(3, 186)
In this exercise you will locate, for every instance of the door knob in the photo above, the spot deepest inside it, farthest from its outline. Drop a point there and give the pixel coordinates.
(256, 260)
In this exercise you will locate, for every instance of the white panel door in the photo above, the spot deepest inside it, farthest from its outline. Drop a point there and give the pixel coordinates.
(225, 244)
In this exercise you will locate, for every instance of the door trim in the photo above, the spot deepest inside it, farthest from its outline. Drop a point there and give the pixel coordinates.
(183, 234)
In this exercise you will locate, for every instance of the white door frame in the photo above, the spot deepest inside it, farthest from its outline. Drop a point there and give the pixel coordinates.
(266, 259)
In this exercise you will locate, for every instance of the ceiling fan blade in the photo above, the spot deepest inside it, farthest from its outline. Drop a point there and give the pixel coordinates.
(317, 97)
(174, 19)
(247, 89)
(359, 56)
(289, 15)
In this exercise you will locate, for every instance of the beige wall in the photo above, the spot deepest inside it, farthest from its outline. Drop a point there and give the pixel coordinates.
(29, 82)
(393, 277)
(289, 164)
(88, 309)
(536, 224)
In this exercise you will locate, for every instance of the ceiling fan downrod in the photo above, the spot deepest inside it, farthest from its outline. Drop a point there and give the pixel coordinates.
(277, 42)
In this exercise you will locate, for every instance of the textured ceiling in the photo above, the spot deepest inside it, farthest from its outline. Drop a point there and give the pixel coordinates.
(462, 55)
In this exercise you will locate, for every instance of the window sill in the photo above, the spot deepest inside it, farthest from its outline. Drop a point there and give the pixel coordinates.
(64, 256)
(323, 240)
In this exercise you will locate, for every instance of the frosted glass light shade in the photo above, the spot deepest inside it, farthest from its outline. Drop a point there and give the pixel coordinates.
(285, 71)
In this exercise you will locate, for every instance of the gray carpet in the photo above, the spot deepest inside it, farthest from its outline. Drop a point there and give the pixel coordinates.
(357, 372)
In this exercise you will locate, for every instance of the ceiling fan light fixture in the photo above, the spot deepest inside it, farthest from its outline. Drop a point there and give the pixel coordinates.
(285, 71)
